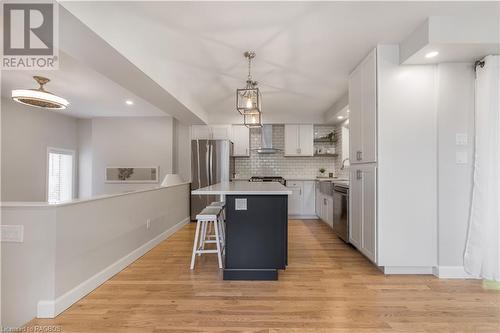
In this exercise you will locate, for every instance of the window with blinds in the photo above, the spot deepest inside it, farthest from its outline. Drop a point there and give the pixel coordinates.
(60, 175)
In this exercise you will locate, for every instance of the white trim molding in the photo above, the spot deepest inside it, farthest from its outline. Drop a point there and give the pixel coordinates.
(452, 272)
(400, 270)
(52, 308)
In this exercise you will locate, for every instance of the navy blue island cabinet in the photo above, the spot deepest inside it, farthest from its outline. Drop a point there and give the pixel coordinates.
(256, 228)
(256, 236)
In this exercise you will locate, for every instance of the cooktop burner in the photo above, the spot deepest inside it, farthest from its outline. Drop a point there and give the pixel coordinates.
(268, 179)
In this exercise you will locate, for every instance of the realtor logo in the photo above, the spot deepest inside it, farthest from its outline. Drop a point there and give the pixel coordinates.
(29, 36)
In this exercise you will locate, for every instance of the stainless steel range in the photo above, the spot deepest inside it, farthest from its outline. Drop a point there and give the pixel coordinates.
(268, 179)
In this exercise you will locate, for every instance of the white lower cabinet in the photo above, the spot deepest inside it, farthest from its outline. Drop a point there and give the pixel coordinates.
(326, 213)
(301, 202)
(294, 199)
(324, 206)
(318, 200)
(363, 222)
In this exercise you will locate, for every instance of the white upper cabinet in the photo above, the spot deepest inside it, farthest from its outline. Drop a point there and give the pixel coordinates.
(241, 140)
(221, 132)
(212, 132)
(363, 111)
(200, 132)
(299, 140)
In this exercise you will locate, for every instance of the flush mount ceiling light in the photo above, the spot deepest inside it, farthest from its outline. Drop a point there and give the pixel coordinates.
(431, 54)
(340, 117)
(129, 102)
(249, 99)
(39, 97)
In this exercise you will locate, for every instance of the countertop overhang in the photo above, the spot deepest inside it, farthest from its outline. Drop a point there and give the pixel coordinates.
(243, 188)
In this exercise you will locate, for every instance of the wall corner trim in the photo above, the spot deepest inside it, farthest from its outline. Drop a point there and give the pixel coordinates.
(52, 308)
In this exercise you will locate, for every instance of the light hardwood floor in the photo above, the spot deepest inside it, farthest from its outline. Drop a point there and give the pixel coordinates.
(328, 287)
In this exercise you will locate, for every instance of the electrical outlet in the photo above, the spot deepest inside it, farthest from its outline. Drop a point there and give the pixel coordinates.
(12, 233)
(148, 223)
(461, 139)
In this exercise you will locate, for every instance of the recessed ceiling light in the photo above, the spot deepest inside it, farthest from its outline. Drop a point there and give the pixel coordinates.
(348, 110)
(129, 102)
(431, 54)
(340, 117)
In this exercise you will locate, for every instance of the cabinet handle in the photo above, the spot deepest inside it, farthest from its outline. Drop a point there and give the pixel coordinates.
(246, 151)
(359, 155)
(359, 174)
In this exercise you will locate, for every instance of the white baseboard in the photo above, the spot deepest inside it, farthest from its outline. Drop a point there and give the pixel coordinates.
(452, 272)
(302, 217)
(52, 308)
(401, 270)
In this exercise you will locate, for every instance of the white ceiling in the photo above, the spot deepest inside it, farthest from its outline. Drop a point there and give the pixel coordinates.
(90, 94)
(305, 51)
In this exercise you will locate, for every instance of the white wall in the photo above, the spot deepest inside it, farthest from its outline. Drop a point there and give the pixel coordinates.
(133, 142)
(85, 158)
(407, 168)
(70, 249)
(26, 134)
(455, 115)
(182, 150)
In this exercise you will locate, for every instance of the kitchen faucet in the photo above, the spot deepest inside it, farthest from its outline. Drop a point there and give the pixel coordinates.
(343, 163)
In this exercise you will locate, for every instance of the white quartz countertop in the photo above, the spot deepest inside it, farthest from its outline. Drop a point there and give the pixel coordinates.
(243, 188)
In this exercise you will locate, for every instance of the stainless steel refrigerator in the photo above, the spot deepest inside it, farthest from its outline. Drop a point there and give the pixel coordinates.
(212, 162)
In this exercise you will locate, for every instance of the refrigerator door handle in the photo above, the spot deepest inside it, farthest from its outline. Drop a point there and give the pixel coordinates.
(207, 162)
(210, 164)
(198, 162)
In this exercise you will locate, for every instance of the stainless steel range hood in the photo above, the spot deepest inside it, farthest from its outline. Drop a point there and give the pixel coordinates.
(266, 142)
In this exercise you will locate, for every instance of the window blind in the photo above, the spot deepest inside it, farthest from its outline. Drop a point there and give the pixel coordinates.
(60, 177)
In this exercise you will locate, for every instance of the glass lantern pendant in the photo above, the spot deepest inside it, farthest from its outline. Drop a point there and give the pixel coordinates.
(249, 99)
(253, 120)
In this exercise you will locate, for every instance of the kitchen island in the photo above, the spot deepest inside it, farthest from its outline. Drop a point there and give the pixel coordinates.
(256, 228)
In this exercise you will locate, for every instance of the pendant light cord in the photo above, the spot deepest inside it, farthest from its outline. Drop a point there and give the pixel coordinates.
(249, 68)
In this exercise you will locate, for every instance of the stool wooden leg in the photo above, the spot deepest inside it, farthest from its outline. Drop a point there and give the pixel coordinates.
(217, 238)
(203, 235)
(195, 243)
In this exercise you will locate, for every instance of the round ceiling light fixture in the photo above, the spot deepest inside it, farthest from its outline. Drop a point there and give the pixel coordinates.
(39, 98)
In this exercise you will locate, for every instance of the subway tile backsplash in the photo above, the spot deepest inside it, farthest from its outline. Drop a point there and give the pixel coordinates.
(288, 167)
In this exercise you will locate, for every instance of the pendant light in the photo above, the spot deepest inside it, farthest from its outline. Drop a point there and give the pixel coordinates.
(249, 99)
(253, 120)
(39, 97)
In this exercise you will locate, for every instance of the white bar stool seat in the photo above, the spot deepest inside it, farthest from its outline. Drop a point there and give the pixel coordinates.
(209, 215)
(222, 218)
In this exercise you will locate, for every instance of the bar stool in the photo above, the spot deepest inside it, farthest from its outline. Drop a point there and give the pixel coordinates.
(209, 215)
(222, 218)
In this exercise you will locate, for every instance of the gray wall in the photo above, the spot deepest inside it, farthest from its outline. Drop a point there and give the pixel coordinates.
(130, 141)
(85, 158)
(26, 134)
(99, 142)
(182, 150)
(455, 115)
